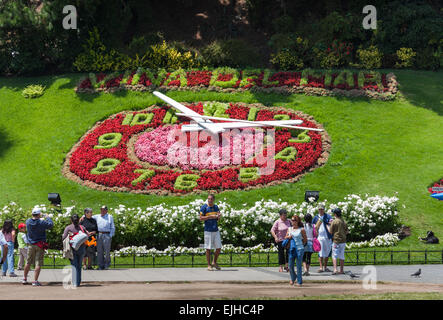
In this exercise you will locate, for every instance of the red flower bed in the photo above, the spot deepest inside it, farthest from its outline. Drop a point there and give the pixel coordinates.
(438, 184)
(364, 82)
(83, 160)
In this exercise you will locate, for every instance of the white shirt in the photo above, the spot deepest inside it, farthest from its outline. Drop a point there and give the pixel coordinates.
(2, 239)
(309, 231)
(322, 232)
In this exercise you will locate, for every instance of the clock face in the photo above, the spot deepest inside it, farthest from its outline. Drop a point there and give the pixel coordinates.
(146, 151)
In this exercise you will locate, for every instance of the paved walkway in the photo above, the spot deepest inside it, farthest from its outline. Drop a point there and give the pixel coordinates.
(392, 273)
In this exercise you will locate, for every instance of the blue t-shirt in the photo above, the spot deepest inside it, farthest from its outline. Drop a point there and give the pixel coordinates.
(211, 224)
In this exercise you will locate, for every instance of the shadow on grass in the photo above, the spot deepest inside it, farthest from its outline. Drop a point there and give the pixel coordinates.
(5, 142)
(90, 97)
(423, 89)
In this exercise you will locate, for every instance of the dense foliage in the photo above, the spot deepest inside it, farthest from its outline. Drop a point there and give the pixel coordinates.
(33, 41)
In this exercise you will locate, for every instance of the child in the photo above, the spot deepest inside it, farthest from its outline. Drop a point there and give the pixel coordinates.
(22, 246)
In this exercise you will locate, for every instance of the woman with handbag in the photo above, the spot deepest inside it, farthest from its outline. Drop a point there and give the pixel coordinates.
(78, 236)
(278, 231)
(297, 236)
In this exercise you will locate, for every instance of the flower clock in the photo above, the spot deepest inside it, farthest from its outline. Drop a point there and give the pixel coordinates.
(146, 151)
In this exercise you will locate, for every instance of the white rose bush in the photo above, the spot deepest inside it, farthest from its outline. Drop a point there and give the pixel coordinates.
(165, 229)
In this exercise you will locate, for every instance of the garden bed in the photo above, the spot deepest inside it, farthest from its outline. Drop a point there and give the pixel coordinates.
(165, 229)
(436, 184)
(371, 84)
(130, 152)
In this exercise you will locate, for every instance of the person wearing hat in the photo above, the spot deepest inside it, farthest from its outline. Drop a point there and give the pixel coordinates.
(36, 234)
(321, 221)
(106, 230)
(22, 246)
(338, 229)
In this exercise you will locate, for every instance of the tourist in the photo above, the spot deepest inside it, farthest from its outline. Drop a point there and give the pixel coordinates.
(36, 233)
(22, 246)
(90, 225)
(279, 231)
(297, 248)
(9, 234)
(76, 262)
(310, 234)
(210, 214)
(324, 237)
(338, 229)
(3, 248)
(106, 230)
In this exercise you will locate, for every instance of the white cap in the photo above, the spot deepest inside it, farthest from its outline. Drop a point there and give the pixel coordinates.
(36, 211)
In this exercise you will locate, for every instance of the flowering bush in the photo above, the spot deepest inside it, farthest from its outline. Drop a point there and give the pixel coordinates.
(142, 152)
(406, 58)
(171, 227)
(370, 58)
(437, 184)
(385, 240)
(228, 79)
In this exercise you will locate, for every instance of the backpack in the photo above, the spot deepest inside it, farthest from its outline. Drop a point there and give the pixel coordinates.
(78, 239)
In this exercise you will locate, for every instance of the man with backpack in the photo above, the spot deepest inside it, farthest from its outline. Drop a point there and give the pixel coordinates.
(36, 234)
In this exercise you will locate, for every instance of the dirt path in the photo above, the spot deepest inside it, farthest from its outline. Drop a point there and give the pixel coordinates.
(198, 290)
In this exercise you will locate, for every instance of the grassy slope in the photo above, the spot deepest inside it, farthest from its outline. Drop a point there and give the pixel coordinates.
(378, 147)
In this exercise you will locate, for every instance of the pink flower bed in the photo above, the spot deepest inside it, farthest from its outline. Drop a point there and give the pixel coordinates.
(154, 146)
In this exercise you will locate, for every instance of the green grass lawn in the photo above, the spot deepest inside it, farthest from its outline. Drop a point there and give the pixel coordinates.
(377, 296)
(377, 147)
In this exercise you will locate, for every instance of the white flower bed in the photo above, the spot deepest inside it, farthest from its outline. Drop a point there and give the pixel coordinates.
(369, 219)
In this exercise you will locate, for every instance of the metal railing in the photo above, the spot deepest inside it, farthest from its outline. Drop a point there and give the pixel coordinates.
(268, 259)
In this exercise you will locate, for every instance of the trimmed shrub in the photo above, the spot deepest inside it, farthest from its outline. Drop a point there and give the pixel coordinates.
(287, 60)
(164, 56)
(33, 91)
(96, 57)
(369, 58)
(406, 58)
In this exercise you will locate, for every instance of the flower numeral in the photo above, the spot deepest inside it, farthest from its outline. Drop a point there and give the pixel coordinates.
(137, 119)
(108, 140)
(248, 174)
(287, 154)
(145, 174)
(302, 138)
(186, 182)
(105, 166)
(170, 117)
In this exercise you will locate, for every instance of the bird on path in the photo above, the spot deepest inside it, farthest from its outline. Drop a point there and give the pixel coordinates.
(416, 274)
(353, 275)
